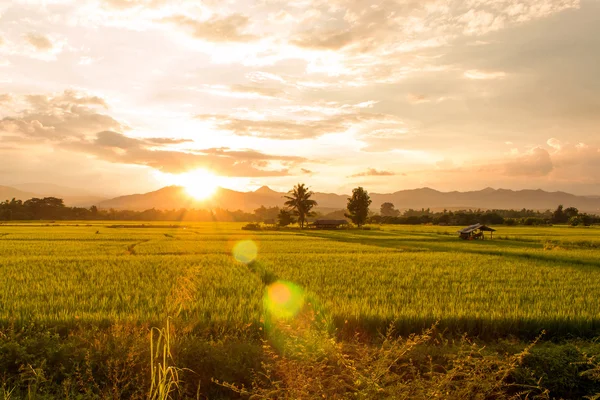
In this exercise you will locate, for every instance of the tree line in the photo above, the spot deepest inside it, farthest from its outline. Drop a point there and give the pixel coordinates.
(298, 208)
(300, 204)
(52, 208)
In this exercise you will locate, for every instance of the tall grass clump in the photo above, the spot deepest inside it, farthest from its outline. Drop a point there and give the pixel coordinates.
(318, 366)
(163, 373)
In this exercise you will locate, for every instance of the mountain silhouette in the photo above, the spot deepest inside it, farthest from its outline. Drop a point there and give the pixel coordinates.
(176, 197)
(9, 193)
(71, 197)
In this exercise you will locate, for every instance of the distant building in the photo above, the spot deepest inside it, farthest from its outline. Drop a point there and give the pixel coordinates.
(476, 231)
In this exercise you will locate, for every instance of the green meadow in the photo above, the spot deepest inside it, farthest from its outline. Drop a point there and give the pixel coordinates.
(221, 289)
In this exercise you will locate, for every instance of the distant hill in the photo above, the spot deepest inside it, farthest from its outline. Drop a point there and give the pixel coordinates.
(49, 189)
(175, 197)
(9, 193)
(487, 199)
(72, 197)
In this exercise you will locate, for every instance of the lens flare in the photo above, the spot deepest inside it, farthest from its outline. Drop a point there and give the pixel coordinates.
(245, 251)
(283, 300)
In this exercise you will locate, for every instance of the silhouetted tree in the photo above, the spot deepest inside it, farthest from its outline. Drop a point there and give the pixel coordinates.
(571, 212)
(388, 210)
(285, 218)
(358, 206)
(559, 216)
(263, 213)
(575, 220)
(299, 200)
(587, 220)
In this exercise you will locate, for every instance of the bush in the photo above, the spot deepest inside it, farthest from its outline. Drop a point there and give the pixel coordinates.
(251, 227)
(575, 221)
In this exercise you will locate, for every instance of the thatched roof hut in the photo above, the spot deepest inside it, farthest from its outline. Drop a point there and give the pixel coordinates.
(470, 232)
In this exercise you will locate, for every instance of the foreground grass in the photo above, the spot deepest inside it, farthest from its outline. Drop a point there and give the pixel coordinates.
(293, 360)
(78, 304)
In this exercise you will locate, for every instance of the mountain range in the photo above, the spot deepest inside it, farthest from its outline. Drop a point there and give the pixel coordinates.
(176, 197)
(71, 196)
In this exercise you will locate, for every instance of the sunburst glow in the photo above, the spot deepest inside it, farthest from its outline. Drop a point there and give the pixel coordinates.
(199, 183)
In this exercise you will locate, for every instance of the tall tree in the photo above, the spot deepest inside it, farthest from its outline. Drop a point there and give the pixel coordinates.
(358, 206)
(388, 210)
(559, 216)
(263, 213)
(285, 218)
(571, 212)
(299, 200)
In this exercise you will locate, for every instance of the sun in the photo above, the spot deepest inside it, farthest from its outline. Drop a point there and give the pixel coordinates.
(199, 183)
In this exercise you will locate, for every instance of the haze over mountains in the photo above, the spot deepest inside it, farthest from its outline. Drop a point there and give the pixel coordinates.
(72, 197)
(175, 197)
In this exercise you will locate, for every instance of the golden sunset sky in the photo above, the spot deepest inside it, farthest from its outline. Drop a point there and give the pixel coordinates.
(120, 96)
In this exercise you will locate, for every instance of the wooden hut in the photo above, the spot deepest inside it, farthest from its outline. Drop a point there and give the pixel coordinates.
(328, 223)
(475, 232)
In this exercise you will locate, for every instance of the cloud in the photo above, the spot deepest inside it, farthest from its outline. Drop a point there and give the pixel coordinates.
(560, 164)
(417, 98)
(476, 74)
(249, 154)
(118, 140)
(241, 91)
(327, 40)
(480, 22)
(216, 29)
(39, 41)
(536, 162)
(70, 121)
(349, 25)
(306, 171)
(258, 90)
(118, 148)
(5, 98)
(445, 164)
(555, 144)
(373, 172)
(67, 98)
(163, 141)
(297, 129)
(66, 115)
(127, 4)
(580, 161)
(486, 59)
(114, 139)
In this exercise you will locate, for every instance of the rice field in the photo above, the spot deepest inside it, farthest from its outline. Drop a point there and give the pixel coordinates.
(525, 280)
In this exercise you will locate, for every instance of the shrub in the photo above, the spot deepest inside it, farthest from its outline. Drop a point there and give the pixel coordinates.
(251, 227)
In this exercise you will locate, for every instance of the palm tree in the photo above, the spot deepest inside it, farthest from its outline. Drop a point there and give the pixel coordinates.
(299, 201)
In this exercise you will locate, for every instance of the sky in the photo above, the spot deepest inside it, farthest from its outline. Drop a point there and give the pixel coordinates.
(125, 96)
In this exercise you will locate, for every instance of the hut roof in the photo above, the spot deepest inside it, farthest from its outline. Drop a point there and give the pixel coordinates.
(475, 227)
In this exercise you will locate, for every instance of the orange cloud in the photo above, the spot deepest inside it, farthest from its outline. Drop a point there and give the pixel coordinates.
(215, 29)
(373, 172)
(296, 129)
(39, 41)
(536, 162)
